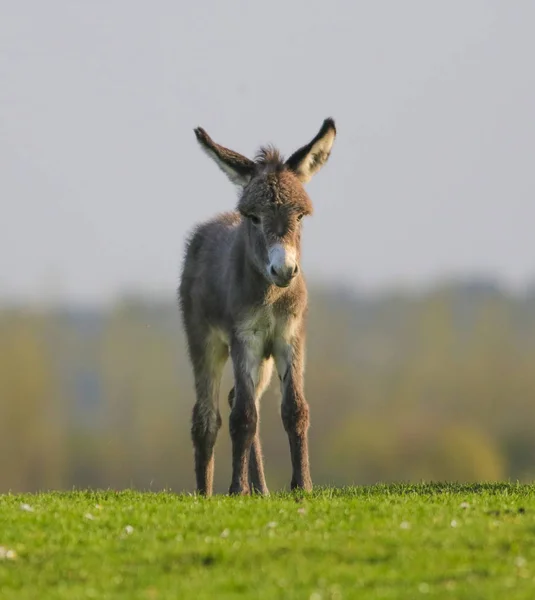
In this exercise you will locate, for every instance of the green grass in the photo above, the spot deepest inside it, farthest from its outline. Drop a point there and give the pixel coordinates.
(398, 541)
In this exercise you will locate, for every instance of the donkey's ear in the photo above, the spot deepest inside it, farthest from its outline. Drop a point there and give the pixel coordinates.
(309, 159)
(238, 168)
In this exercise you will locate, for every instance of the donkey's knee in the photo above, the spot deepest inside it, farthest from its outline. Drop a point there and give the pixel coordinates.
(295, 417)
(205, 425)
(243, 420)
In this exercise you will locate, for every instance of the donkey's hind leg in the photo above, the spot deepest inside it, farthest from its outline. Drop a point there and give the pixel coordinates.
(206, 420)
(257, 480)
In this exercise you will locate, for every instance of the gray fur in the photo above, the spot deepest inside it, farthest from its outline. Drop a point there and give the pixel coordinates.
(235, 302)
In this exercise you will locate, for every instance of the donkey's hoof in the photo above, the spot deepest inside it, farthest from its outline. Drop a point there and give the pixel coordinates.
(301, 486)
(239, 490)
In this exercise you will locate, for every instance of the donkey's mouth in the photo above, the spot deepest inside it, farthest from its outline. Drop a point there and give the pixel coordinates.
(281, 284)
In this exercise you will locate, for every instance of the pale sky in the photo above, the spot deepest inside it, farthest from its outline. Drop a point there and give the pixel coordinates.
(432, 173)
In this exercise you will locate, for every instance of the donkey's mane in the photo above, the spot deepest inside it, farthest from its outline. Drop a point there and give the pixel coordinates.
(269, 158)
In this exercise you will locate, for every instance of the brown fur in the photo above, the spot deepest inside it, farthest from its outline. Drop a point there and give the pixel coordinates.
(242, 294)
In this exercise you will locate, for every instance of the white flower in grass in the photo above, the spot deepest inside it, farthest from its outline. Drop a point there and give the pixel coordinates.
(129, 530)
(98, 506)
(225, 533)
(272, 525)
(520, 562)
(464, 505)
(89, 517)
(7, 554)
(454, 523)
(26, 507)
(405, 525)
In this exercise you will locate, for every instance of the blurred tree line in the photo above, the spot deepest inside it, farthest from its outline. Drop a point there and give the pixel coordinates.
(402, 386)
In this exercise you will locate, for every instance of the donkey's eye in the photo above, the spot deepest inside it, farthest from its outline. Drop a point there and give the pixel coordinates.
(254, 219)
(299, 217)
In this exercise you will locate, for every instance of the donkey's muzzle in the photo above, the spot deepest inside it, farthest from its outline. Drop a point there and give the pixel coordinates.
(283, 277)
(282, 266)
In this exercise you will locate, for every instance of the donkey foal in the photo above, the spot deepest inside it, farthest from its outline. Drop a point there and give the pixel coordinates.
(242, 293)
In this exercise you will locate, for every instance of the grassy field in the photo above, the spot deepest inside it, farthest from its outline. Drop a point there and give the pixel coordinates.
(398, 541)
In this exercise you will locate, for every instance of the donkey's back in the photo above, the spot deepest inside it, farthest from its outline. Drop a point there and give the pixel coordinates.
(206, 265)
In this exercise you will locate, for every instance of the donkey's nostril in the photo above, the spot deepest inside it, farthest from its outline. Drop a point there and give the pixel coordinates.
(273, 271)
(295, 271)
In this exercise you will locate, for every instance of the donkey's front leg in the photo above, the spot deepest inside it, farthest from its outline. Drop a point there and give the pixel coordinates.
(294, 410)
(257, 480)
(244, 414)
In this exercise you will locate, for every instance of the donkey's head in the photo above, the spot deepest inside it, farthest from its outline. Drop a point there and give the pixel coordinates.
(273, 200)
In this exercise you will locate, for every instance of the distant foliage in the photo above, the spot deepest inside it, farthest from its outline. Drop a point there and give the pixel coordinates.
(438, 386)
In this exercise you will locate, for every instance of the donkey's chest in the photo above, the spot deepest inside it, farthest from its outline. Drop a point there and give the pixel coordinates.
(265, 329)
